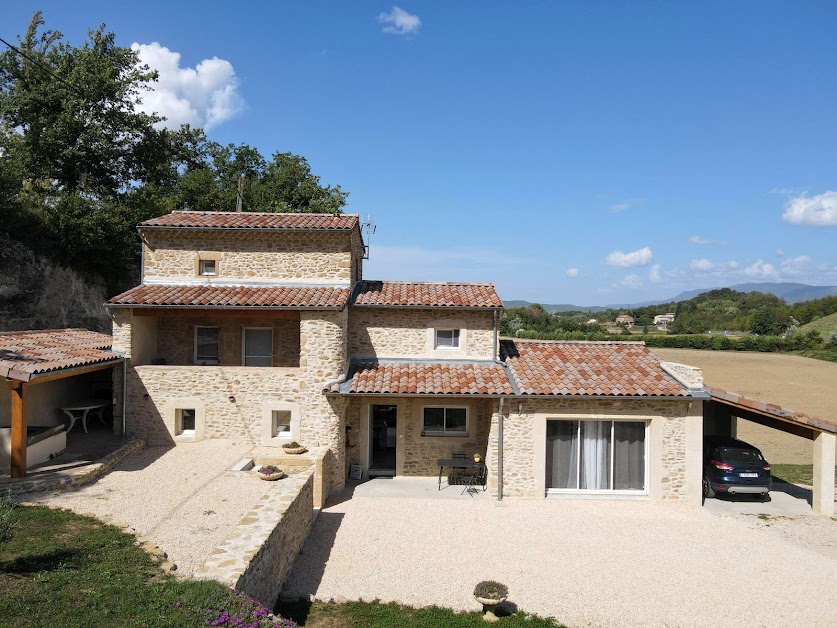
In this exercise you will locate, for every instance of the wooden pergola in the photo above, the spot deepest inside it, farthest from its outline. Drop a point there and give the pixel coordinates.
(29, 358)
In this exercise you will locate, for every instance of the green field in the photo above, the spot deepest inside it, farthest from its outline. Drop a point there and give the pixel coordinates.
(824, 325)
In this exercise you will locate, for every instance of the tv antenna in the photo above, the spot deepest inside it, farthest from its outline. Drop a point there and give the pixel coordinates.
(367, 226)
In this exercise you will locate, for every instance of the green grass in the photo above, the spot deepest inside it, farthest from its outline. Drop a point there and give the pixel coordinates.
(824, 325)
(829, 355)
(795, 473)
(60, 569)
(377, 615)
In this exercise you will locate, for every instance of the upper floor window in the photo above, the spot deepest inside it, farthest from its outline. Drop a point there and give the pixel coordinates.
(208, 267)
(258, 346)
(447, 339)
(207, 345)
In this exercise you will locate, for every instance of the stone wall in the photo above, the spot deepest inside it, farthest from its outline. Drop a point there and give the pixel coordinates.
(155, 392)
(416, 455)
(524, 440)
(176, 338)
(408, 333)
(249, 256)
(258, 555)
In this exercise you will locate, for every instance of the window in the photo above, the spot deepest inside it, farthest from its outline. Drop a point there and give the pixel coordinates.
(208, 267)
(258, 347)
(447, 338)
(281, 423)
(595, 455)
(445, 421)
(206, 345)
(185, 422)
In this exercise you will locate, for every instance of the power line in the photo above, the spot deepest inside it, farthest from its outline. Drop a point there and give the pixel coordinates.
(44, 68)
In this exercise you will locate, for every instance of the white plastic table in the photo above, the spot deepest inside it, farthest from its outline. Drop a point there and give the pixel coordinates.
(81, 410)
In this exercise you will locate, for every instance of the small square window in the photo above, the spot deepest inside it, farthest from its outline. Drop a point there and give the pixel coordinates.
(447, 338)
(281, 423)
(185, 422)
(208, 267)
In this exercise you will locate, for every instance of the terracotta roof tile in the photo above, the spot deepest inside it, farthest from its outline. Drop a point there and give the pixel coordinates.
(419, 294)
(429, 379)
(27, 353)
(794, 416)
(587, 368)
(233, 296)
(253, 220)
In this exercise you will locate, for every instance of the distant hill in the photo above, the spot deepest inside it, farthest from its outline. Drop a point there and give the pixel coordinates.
(825, 325)
(790, 292)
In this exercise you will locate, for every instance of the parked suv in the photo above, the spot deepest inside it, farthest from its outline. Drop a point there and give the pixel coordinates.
(733, 466)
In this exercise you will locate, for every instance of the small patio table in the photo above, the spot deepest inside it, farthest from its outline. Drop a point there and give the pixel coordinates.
(456, 463)
(81, 410)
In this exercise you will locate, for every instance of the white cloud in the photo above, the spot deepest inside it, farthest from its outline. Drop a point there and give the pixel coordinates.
(572, 272)
(780, 253)
(399, 22)
(632, 281)
(695, 239)
(654, 275)
(760, 268)
(701, 264)
(796, 266)
(641, 257)
(626, 204)
(814, 211)
(204, 96)
(785, 191)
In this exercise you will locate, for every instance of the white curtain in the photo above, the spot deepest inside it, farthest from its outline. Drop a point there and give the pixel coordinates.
(595, 455)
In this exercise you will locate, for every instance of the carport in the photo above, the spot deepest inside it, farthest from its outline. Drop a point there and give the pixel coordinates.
(720, 414)
(29, 361)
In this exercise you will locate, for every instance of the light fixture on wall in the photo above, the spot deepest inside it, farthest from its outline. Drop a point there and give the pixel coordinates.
(231, 398)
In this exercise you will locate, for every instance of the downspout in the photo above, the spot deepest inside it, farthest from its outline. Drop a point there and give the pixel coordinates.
(500, 451)
(124, 395)
(496, 355)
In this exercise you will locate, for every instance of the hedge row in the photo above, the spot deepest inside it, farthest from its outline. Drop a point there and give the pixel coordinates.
(691, 341)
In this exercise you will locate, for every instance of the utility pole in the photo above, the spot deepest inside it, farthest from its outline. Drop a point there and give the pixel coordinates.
(240, 198)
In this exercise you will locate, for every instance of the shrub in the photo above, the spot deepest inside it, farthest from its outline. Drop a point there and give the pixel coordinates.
(292, 445)
(491, 590)
(232, 608)
(7, 519)
(269, 469)
(831, 340)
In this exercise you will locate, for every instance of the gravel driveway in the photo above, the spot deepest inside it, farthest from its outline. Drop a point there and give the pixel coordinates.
(184, 499)
(587, 563)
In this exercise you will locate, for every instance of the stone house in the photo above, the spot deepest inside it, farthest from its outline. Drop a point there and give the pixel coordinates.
(261, 326)
(624, 319)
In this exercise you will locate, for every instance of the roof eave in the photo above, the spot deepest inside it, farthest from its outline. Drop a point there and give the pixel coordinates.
(483, 308)
(259, 308)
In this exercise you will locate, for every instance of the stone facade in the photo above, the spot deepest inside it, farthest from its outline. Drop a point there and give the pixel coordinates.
(409, 333)
(416, 455)
(258, 555)
(673, 463)
(173, 254)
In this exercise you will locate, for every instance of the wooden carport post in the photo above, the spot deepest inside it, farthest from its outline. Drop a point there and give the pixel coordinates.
(19, 440)
(824, 444)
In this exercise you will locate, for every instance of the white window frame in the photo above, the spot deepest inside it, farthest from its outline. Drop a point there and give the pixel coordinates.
(446, 434)
(244, 345)
(201, 269)
(195, 342)
(456, 334)
(588, 491)
(178, 422)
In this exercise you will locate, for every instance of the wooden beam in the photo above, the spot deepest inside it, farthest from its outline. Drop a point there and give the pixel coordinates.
(213, 313)
(71, 372)
(19, 440)
(776, 423)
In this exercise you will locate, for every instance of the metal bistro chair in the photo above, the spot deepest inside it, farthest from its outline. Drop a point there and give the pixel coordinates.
(472, 480)
(457, 473)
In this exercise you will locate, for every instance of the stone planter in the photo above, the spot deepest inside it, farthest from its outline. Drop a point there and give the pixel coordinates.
(294, 450)
(271, 477)
(488, 605)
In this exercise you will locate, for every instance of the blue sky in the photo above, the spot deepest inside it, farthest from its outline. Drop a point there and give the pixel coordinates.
(576, 152)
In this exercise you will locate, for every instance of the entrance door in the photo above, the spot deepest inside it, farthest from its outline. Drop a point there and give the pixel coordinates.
(383, 420)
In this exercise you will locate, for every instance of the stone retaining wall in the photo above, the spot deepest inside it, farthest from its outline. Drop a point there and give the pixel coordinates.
(258, 555)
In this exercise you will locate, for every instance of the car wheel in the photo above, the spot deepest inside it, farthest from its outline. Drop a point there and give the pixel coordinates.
(707, 488)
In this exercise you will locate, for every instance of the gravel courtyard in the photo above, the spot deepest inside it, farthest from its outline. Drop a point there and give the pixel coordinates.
(184, 499)
(586, 563)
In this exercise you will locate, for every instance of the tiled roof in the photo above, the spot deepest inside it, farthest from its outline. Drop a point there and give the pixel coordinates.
(587, 368)
(799, 418)
(427, 379)
(419, 294)
(253, 220)
(24, 354)
(254, 297)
